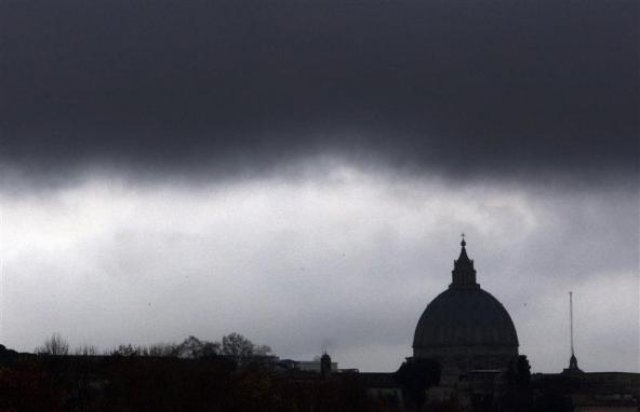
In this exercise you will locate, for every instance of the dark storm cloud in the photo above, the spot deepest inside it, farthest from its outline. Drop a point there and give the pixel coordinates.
(486, 87)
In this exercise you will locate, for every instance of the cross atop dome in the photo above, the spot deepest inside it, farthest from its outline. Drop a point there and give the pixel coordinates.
(463, 253)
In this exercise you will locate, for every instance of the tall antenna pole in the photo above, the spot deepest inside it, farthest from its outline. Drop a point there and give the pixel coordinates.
(571, 319)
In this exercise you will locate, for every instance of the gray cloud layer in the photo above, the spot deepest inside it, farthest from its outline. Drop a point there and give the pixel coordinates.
(351, 260)
(446, 88)
(461, 87)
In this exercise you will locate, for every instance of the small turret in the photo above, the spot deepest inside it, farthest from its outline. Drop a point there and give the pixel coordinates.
(325, 365)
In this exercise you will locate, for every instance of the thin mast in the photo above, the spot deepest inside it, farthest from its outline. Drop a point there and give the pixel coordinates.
(573, 362)
(571, 319)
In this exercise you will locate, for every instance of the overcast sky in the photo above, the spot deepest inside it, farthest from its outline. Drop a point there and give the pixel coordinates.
(300, 172)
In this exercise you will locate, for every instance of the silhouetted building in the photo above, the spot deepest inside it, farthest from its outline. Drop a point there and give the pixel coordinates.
(465, 329)
(587, 392)
(325, 365)
(573, 368)
(316, 365)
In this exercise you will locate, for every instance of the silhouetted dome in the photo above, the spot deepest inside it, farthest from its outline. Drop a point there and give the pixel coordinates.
(466, 321)
(465, 316)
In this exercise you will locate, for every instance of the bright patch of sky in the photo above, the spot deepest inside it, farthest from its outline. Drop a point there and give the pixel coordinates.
(342, 259)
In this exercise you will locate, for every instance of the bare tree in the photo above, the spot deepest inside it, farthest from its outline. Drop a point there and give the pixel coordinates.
(85, 350)
(261, 350)
(190, 348)
(195, 348)
(126, 350)
(54, 345)
(238, 346)
(163, 350)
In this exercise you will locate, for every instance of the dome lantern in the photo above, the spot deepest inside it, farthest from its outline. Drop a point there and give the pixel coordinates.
(463, 274)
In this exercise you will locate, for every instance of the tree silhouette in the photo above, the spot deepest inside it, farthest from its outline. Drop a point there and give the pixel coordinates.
(194, 348)
(85, 350)
(54, 345)
(237, 346)
(416, 376)
(519, 395)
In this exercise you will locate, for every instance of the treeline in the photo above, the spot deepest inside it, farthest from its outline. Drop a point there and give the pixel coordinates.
(233, 345)
(146, 383)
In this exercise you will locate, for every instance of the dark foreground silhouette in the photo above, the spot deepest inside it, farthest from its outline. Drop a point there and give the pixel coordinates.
(133, 382)
(144, 383)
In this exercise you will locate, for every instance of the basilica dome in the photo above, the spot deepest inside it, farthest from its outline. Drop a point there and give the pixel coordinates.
(466, 322)
(468, 317)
